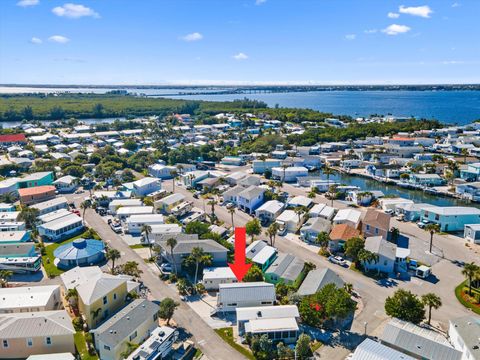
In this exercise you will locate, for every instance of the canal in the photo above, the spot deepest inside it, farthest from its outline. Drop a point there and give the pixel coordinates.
(417, 196)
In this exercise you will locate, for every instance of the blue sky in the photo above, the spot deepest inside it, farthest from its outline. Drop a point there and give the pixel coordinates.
(239, 41)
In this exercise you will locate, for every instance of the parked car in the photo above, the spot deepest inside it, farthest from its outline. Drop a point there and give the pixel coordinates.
(389, 211)
(422, 224)
(166, 268)
(337, 260)
(116, 227)
(230, 205)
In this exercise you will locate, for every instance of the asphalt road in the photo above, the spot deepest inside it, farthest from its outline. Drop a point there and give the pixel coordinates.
(208, 341)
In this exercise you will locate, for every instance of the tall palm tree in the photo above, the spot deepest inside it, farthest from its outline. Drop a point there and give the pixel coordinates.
(146, 230)
(394, 233)
(112, 254)
(171, 243)
(272, 232)
(231, 211)
(470, 271)
(284, 167)
(174, 174)
(432, 229)
(200, 257)
(367, 257)
(300, 210)
(332, 193)
(5, 275)
(431, 300)
(72, 297)
(84, 206)
(212, 202)
(327, 170)
(464, 152)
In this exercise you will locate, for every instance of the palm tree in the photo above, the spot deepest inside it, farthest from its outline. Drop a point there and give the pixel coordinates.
(272, 232)
(232, 212)
(112, 254)
(312, 193)
(171, 243)
(72, 297)
(348, 287)
(432, 229)
(212, 202)
(332, 193)
(322, 239)
(395, 233)
(29, 216)
(147, 230)
(470, 271)
(300, 210)
(131, 347)
(84, 206)
(284, 167)
(96, 313)
(431, 300)
(200, 257)
(464, 152)
(174, 174)
(327, 170)
(5, 275)
(367, 257)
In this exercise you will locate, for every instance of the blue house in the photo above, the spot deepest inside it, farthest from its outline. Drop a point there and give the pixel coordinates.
(451, 218)
(426, 179)
(36, 179)
(250, 199)
(472, 172)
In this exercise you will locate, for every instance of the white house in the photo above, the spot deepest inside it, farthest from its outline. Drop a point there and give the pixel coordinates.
(289, 174)
(472, 233)
(316, 210)
(250, 199)
(119, 203)
(62, 228)
(386, 252)
(135, 222)
(299, 201)
(51, 205)
(288, 220)
(214, 276)
(464, 333)
(30, 299)
(146, 186)
(126, 211)
(161, 171)
(327, 212)
(166, 204)
(270, 210)
(348, 216)
(66, 184)
(237, 295)
(157, 346)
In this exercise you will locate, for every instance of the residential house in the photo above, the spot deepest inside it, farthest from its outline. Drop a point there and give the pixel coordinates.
(300, 200)
(250, 199)
(20, 257)
(36, 179)
(66, 184)
(33, 333)
(100, 297)
(464, 333)
(418, 342)
(347, 216)
(286, 268)
(376, 223)
(313, 227)
(61, 228)
(214, 276)
(135, 223)
(166, 204)
(126, 211)
(316, 279)
(386, 252)
(469, 190)
(373, 350)
(472, 233)
(471, 173)
(132, 324)
(119, 203)
(261, 254)
(14, 237)
(232, 160)
(288, 220)
(339, 236)
(30, 299)
(33, 195)
(451, 218)
(238, 295)
(9, 186)
(12, 139)
(51, 205)
(426, 180)
(279, 323)
(260, 166)
(157, 346)
(231, 194)
(289, 174)
(146, 186)
(269, 211)
(162, 171)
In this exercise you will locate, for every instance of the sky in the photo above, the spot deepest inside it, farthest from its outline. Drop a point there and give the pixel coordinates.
(239, 42)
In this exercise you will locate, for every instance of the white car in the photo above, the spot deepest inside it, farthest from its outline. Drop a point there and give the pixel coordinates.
(166, 268)
(337, 260)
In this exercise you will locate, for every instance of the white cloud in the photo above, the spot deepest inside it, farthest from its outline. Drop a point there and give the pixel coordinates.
(35, 40)
(395, 29)
(196, 36)
(260, 2)
(350, 37)
(422, 11)
(456, 4)
(74, 11)
(371, 31)
(59, 39)
(26, 3)
(393, 15)
(240, 56)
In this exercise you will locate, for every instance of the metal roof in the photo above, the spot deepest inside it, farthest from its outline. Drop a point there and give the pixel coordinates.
(35, 324)
(372, 350)
(267, 325)
(267, 312)
(79, 249)
(317, 279)
(241, 292)
(26, 296)
(468, 327)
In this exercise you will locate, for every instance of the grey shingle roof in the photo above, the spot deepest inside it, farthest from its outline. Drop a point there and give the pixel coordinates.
(125, 322)
(286, 266)
(317, 279)
(33, 324)
(251, 192)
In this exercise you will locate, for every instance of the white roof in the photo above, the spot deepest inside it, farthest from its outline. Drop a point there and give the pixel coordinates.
(145, 181)
(57, 214)
(9, 236)
(317, 208)
(146, 218)
(35, 324)
(300, 201)
(263, 255)
(453, 210)
(327, 211)
(26, 297)
(372, 350)
(166, 228)
(62, 222)
(348, 215)
(240, 292)
(126, 210)
(402, 253)
(267, 325)
(95, 288)
(47, 204)
(218, 273)
(125, 202)
(267, 312)
(272, 206)
(172, 199)
(78, 275)
(288, 215)
(9, 215)
(58, 356)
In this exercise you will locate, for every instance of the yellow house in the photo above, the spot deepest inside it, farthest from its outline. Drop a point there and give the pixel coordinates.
(100, 297)
(133, 324)
(30, 333)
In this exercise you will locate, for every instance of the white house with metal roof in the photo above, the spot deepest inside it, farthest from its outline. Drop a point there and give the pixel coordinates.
(61, 228)
(134, 223)
(49, 206)
(125, 212)
(464, 333)
(373, 350)
(214, 276)
(348, 216)
(30, 299)
(270, 210)
(261, 254)
(237, 295)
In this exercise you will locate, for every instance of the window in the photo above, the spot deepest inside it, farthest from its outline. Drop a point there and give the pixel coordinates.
(114, 296)
(376, 231)
(48, 340)
(5, 343)
(105, 300)
(155, 317)
(133, 336)
(29, 342)
(368, 227)
(106, 347)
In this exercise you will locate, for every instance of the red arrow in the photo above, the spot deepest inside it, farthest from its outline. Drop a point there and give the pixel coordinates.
(239, 267)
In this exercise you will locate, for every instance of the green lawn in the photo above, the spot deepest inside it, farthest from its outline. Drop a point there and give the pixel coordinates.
(227, 335)
(459, 293)
(81, 346)
(48, 258)
(138, 246)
